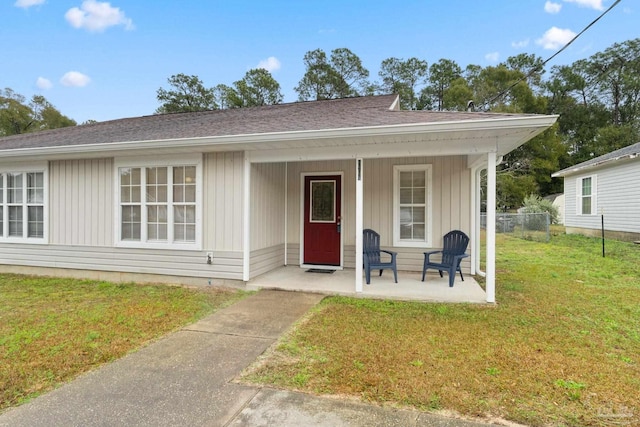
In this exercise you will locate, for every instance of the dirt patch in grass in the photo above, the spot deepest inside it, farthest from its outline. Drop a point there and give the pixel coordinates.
(53, 329)
(562, 347)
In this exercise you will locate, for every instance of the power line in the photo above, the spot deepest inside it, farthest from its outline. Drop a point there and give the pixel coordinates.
(536, 69)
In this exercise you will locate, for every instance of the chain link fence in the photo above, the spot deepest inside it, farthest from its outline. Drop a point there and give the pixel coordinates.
(529, 226)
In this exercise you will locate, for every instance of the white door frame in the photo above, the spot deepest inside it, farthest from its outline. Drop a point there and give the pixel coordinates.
(303, 175)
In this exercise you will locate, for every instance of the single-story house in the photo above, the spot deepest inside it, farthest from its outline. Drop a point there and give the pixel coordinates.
(228, 195)
(604, 189)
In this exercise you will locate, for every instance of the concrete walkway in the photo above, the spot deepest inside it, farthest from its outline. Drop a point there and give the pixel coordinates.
(185, 380)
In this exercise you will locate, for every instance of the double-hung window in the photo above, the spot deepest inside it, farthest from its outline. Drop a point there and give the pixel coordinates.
(412, 205)
(23, 207)
(586, 195)
(159, 203)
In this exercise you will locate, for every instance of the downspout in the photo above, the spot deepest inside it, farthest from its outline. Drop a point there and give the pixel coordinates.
(476, 197)
(476, 214)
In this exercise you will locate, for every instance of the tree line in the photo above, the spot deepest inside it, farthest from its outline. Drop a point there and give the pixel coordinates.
(597, 100)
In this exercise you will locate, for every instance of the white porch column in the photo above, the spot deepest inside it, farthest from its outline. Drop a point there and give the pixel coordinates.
(246, 220)
(359, 223)
(491, 228)
(286, 211)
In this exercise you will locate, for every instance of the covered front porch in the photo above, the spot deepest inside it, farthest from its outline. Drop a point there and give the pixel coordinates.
(341, 282)
(412, 183)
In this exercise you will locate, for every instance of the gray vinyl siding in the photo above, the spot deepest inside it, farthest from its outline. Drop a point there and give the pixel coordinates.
(451, 198)
(617, 194)
(267, 205)
(294, 174)
(81, 202)
(225, 265)
(408, 259)
(266, 259)
(223, 201)
(451, 195)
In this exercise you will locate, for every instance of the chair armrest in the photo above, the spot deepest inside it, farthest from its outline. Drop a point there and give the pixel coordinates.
(392, 253)
(432, 252)
(459, 258)
(429, 253)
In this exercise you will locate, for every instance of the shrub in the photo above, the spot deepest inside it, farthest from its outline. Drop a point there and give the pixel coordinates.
(536, 204)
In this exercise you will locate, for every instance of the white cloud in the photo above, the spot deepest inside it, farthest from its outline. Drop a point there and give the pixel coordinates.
(28, 3)
(492, 56)
(520, 44)
(97, 16)
(592, 4)
(551, 7)
(43, 83)
(555, 38)
(270, 64)
(75, 78)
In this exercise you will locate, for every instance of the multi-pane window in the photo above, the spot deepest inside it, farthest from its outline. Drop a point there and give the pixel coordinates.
(411, 205)
(158, 204)
(22, 205)
(586, 190)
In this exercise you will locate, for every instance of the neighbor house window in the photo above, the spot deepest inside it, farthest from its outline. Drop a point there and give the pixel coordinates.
(586, 195)
(412, 205)
(23, 206)
(159, 204)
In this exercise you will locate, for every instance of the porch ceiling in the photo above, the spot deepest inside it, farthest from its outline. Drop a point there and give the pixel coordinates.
(441, 142)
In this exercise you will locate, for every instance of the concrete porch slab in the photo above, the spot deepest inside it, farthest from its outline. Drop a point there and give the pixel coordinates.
(342, 282)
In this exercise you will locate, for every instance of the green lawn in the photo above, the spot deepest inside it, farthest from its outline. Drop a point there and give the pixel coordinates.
(561, 347)
(53, 329)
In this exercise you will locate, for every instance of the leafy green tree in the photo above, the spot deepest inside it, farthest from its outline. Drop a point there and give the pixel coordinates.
(340, 76)
(186, 93)
(223, 93)
(403, 77)
(531, 66)
(15, 116)
(47, 116)
(615, 76)
(19, 116)
(442, 75)
(257, 88)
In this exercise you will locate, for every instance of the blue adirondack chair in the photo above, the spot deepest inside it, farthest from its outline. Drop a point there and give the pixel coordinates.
(371, 255)
(453, 251)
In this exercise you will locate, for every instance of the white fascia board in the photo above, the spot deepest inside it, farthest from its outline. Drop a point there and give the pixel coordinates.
(604, 163)
(541, 121)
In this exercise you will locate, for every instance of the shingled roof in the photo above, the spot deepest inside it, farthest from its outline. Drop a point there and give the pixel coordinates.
(359, 112)
(629, 152)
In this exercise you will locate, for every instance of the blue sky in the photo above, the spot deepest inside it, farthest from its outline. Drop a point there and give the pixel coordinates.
(106, 60)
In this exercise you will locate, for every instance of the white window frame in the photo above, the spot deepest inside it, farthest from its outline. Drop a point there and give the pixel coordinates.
(397, 241)
(40, 167)
(593, 195)
(158, 161)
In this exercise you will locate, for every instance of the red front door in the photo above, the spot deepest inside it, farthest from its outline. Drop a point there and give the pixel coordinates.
(322, 195)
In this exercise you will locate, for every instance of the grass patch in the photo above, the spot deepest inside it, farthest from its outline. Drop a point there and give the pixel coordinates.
(561, 348)
(52, 329)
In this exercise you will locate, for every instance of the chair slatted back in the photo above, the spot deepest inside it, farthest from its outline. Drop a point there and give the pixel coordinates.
(371, 245)
(455, 243)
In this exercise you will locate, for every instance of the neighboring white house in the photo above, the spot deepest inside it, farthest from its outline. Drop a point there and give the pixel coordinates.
(604, 188)
(557, 200)
(228, 195)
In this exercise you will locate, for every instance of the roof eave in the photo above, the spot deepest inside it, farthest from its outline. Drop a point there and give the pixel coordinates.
(540, 122)
(577, 169)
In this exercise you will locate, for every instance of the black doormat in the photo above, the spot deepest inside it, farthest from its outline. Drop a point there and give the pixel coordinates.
(320, 270)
